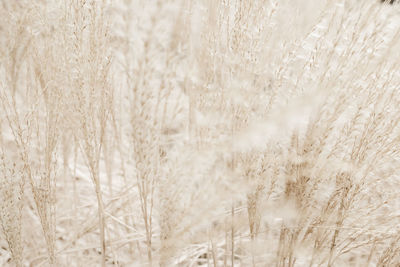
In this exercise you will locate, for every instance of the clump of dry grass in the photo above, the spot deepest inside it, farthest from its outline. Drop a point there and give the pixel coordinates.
(11, 195)
(181, 133)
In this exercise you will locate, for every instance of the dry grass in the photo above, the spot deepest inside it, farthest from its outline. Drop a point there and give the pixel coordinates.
(185, 133)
